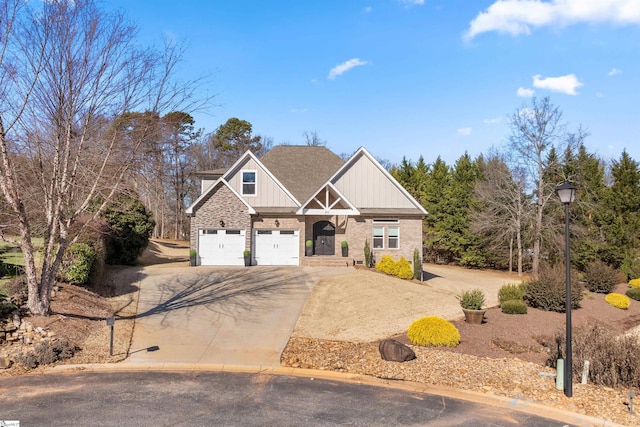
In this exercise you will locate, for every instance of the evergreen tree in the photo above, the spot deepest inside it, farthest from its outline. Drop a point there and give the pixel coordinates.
(621, 221)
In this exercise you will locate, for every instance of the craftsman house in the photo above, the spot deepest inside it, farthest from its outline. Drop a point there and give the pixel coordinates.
(296, 194)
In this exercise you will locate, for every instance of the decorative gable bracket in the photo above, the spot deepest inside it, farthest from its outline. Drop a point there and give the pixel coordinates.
(328, 201)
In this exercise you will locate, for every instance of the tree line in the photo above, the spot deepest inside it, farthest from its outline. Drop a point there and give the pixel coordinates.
(88, 118)
(500, 210)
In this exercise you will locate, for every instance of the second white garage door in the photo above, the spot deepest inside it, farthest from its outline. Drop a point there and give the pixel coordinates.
(276, 247)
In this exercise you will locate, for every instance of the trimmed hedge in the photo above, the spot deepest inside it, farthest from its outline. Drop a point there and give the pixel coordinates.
(433, 331)
(634, 294)
(618, 300)
(514, 307)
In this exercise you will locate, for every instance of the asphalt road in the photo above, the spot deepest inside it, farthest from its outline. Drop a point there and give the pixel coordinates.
(231, 399)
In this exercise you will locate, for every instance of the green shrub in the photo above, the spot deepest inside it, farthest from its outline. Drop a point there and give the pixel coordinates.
(433, 331)
(367, 253)
(514, 306)
(548, 292)
(403, 269)
(472, 300)
(630, 266)
(511, 291)
(600, 277)
(634, 294)
(344, 244)
(618, 300)
(386, 265)
(473, 258)
(634, 284)
(77, 263)
(417, 264)
(130, 227)
(614, 360)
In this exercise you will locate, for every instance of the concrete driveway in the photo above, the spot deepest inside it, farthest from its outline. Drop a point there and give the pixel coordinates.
(216, 315)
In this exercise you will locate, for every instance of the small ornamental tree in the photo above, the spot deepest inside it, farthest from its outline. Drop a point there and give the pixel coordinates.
(417, 264)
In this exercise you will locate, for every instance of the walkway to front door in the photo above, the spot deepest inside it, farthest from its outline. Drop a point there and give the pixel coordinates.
(324, 234)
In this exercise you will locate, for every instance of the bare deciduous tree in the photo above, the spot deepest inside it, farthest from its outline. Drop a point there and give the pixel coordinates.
(504, 211)
(536, 131)
(68, 72)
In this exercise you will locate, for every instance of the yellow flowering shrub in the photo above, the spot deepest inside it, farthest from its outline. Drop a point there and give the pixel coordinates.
(618, 300)
(386, 265)
(433, 331)
(634, 284)
(403, 269)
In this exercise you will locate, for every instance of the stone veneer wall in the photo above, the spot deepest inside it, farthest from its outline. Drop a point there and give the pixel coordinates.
(222, 204)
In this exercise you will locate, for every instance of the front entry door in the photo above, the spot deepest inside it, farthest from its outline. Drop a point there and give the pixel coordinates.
(324, 234)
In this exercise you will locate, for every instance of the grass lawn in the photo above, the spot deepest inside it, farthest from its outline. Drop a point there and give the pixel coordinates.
(11, 255)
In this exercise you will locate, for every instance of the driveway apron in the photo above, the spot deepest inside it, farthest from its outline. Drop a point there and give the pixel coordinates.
(219, 315)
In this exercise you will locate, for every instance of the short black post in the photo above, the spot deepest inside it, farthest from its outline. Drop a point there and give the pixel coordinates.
(110, 322)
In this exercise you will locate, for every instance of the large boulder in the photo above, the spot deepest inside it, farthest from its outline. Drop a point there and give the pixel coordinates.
(395, 351)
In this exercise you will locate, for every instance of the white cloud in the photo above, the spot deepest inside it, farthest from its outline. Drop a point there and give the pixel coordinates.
(599, 95)
(412, 2)
(525, 93)
(493, 121)
(344, 67)
(565, 84)
(517, 17)
(614, 71)
(368, 9)
(464, 131)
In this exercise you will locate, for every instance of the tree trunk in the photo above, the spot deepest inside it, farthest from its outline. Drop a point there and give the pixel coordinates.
(511, 254)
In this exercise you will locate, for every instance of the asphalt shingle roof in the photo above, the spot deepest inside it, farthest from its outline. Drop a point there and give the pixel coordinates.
(302, 169)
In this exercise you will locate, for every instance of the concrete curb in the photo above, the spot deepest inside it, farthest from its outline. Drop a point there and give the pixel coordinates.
(498, 402)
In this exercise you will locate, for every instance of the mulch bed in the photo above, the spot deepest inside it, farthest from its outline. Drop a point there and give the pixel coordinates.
(526, 336)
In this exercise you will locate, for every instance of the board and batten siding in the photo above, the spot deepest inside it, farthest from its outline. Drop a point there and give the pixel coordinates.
(366, 186)
(268, 193)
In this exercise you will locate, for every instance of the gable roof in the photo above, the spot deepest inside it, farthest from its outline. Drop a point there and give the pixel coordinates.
(302, 169)
(355, 158)
(205, 195)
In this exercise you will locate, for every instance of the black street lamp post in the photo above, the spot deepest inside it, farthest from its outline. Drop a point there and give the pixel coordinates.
(567, 193)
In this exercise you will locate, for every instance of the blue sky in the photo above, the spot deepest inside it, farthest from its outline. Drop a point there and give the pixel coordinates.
(408, 77)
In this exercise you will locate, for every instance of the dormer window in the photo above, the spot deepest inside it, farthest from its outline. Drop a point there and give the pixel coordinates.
(248, 183)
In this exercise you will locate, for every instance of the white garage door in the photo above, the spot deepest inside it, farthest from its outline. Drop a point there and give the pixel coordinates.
(221, 247)
(276, 247)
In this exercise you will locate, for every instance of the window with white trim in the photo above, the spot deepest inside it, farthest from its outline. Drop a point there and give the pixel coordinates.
(393, 235)
(386, 235)
(378, 238)
(248, 183)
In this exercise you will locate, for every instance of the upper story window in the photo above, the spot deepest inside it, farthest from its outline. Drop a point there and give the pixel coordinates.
(248, 183)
